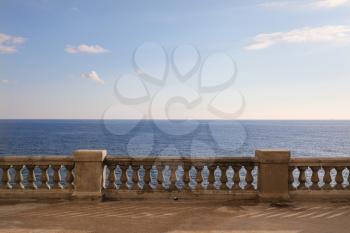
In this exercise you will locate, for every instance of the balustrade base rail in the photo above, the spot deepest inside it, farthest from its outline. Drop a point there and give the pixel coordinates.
(90, 175)
(34, 195)
(320, 195)
(182, 195)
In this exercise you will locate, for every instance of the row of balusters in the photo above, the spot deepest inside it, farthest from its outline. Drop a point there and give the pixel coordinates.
(319, 177)
(178, 177)
(53, 176)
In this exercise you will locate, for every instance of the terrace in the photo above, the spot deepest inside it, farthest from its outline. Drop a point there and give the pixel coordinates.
(92, 192)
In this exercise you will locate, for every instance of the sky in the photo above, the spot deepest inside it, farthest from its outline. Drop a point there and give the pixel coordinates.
(175, 59)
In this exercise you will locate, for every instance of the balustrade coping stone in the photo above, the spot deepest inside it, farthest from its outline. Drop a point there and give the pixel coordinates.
(35, 158)
(89, 155)
(272, 156)
(169, 160)
(319, 161)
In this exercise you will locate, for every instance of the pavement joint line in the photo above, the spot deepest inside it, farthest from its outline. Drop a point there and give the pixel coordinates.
(337, 214)
(109, 213)
(246, 215)
(315, 208)
(292, 215)
(117, 214)
(276, 215)
(305, 215)
(70, 214)
(322, 215)
(81, 215)
(259, 215)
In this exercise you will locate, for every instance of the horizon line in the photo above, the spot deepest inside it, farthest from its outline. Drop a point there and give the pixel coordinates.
(199, 119)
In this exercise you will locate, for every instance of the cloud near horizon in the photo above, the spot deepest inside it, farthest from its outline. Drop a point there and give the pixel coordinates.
(311, 4)
(337, 34)
(93, 76)
(84, 48)
(9, 44)
(4, 81)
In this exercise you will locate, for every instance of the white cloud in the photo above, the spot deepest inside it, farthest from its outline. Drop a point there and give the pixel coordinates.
(332, 34)
(84, 48)
(309, 4)
(329, 3)
(9, 44)
(275, 4)
(4, 81)
(93, 76)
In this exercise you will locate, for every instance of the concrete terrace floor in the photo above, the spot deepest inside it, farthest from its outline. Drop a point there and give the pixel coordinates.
(174, 217)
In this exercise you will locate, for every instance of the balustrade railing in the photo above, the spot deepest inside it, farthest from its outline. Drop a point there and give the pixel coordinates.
(319, 173)
(90, 174)
(180, 174)
(36, 173)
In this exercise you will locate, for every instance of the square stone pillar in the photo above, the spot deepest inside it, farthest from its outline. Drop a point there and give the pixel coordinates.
(273, 174)
(88, 174)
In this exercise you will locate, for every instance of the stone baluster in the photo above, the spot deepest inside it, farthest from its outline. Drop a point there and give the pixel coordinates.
(327, 179)
(111, 176)
(160, 177)
(129, 174)
(69, 177)
(173, 168)
(124, 178)
(236, 177)
(56, 176)
(348, 180)
(147, 178)
(18, 177)
(5, 177)
(291, 178)
(44, 176)
(302, 179)
(314, 178)
(199, 177)
(31, 176)
(339, 177)
(211, 177)
(187, 167)
(223, 177)
(249, 177)
(135, 176)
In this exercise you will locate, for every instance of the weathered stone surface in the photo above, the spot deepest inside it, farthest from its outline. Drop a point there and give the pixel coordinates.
(273, 174)
(88, 174)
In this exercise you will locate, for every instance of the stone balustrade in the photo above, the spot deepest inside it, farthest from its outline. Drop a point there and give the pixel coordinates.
(24, 177)
(272, 175)
(319, 177)
(178, 176)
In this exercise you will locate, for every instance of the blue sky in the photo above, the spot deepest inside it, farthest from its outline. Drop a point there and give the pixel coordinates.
(63, 59)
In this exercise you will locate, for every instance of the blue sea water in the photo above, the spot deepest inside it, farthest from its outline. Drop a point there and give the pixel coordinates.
(179, 138)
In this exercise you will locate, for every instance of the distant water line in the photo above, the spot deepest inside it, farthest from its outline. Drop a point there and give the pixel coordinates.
(209, 138)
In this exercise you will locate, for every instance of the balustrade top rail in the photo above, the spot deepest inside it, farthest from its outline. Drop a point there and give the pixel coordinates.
(36, 160)
(167, 160)
(319, 161)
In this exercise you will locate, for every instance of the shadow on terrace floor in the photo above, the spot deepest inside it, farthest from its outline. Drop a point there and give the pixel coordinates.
(174, 217)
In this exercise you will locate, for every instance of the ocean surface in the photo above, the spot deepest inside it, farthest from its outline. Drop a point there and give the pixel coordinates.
(178, 138)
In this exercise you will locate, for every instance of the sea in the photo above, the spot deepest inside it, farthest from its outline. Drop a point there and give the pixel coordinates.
(175, 137)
